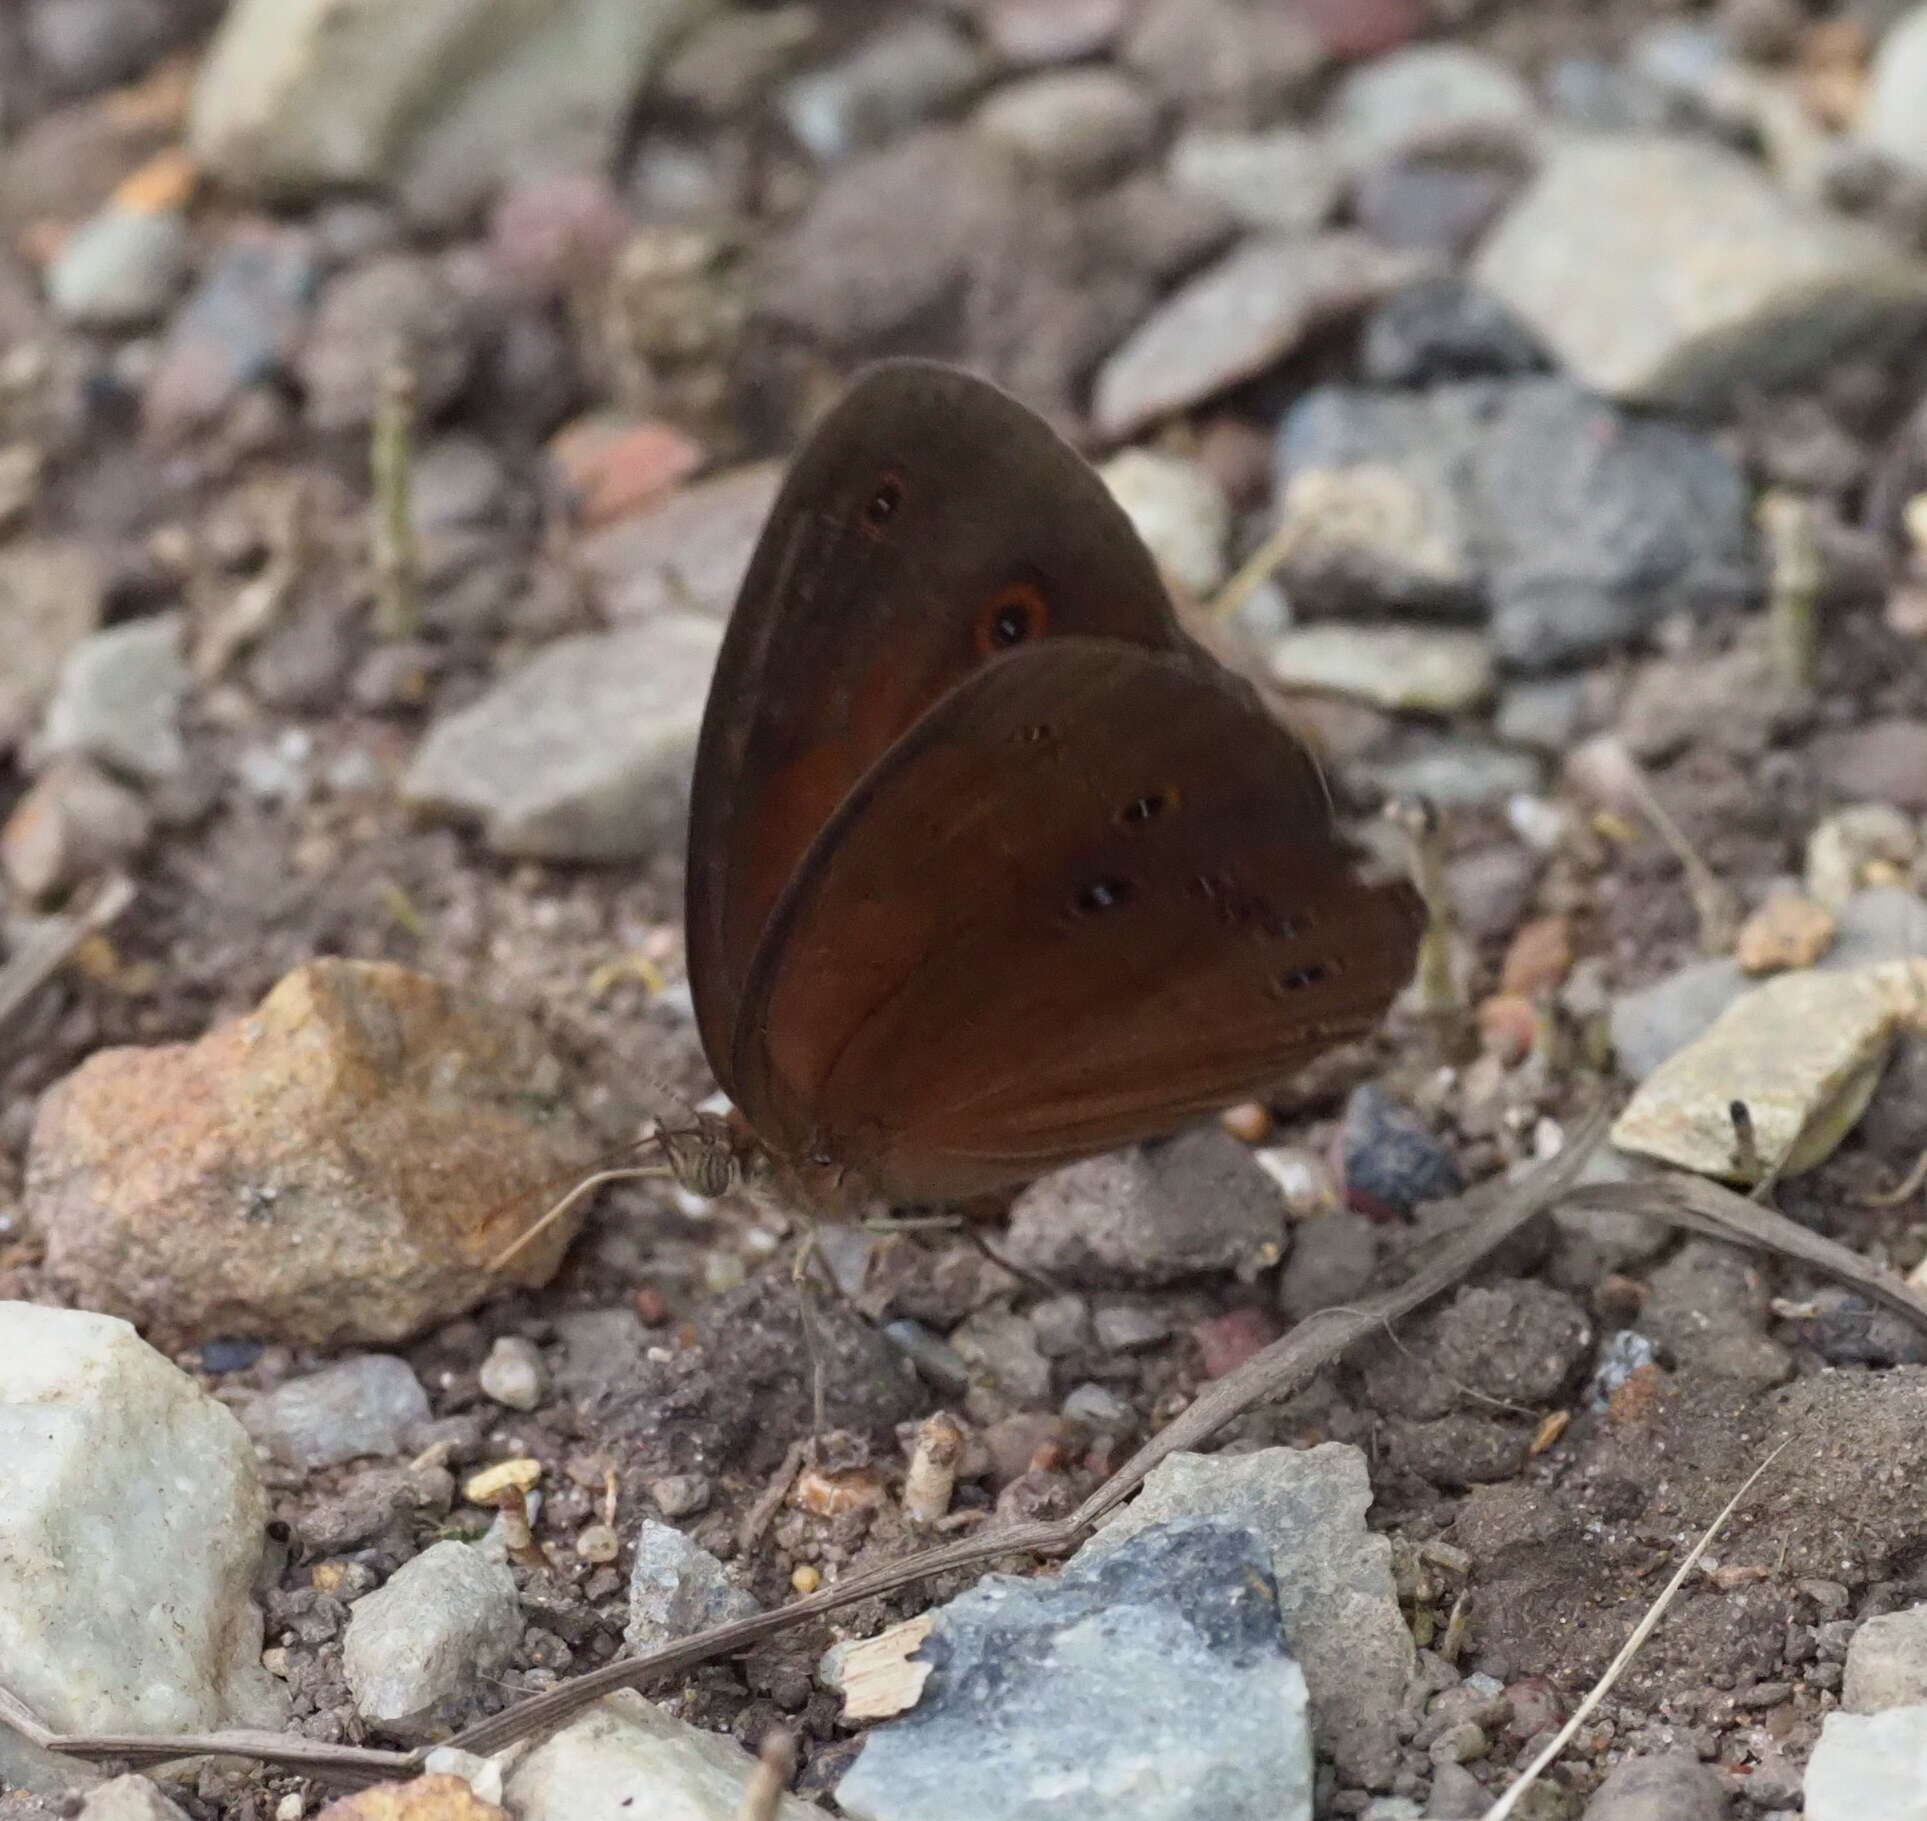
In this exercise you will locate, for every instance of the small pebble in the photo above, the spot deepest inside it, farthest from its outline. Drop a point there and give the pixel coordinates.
(1388, 1159)
(596, 1543)
(512, 1373)
(1787, 931)
(485, 1487)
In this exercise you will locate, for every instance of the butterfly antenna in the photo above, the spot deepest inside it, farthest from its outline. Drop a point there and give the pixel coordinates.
(587, 1186)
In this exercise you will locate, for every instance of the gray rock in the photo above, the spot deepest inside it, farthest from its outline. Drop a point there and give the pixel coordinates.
(1099, 1406)
(1895, 118)
(1332, 1261)
(394, 303)
(1456, 1795)
(119, 700)
(1672, 1786)
(120, 268)
(1078, 125)
(134, 1518)
(1454, 773)
(1545, 714)
(1150, 1216)
(1422, 97)
(1050, 31)
(1866, 1767)
(898, 79)
(1883, 923)
(1238, 318)
(1000, 1348)
(297, 96)
(1225, 59)
(1652, 1022)
(512, 1373)
(1580, 525)
(598, 1346)
(585, 753)
(1708, 1309)
(1336, 1595)
(359, 1406)
(1284, 181)
(1411, 669)
(1670, 271)
(1153, 1682)
(1129, 1327)
(417, 1649)
(241, 324)
(625, 1753)
(51, 596)
(1887, 1662)
(1882, 761)
(687, 554)
(1444, 329)
(677, 1587)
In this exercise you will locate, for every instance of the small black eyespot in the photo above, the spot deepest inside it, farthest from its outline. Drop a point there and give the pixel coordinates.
(1039, 733)
(882, 504)
(1304, 976)
(1105, 894)
(1144, 809)
(1013, 616)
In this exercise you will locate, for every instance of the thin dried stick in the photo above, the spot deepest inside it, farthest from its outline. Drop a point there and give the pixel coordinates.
(1630, 1649)
(52, 939)
(390, 459)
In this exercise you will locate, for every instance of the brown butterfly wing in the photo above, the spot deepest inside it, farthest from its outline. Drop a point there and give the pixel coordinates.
(929, 520)
(1093, 892)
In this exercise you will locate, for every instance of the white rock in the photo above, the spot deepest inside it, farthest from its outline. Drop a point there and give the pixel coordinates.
(130, 1799)
(359, 1406)
(133, 1518)
(1179, 510)
(1670, 271)
(1869, 1767)
(626, 1759)
(416, 1648)
(1395, 667)
(440, 100)
(583, 754)
(1804, 1052)
(512, 1373)
(1895, 118)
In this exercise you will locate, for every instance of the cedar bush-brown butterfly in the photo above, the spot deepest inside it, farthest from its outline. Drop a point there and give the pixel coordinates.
(990, 866)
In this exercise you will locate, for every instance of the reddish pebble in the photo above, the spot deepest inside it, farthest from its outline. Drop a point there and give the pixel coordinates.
(559, 232)
(612, 470)
(1353, 29)
(1249, 1122)
(1535, 1707)
(650, 1306)
(1539, 957)
(1227, 1341)
(1508, 1027)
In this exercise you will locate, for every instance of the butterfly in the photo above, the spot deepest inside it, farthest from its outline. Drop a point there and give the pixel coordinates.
(991, 866)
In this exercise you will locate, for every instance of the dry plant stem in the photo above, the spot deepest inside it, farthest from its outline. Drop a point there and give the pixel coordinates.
(1793, 589)
(775, 1765)
(1439, 995)
(1905, 1189)
(391, 453)
(1630, 1649)
(1713, 904)
(1256, 570)
(40, 956)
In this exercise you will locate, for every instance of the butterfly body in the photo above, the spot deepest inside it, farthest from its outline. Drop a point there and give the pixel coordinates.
(991, 866)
